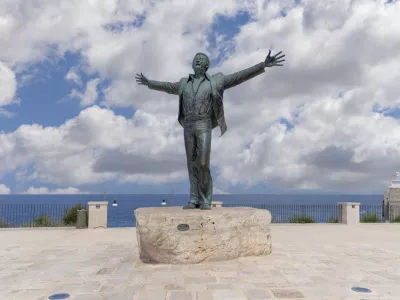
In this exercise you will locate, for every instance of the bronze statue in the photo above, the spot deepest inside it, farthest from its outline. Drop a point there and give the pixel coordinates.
(201, 110)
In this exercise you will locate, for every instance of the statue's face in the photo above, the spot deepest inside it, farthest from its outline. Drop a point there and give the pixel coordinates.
(200, 63)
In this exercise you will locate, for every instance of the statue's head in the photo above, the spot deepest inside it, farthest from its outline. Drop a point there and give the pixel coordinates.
(200, 63)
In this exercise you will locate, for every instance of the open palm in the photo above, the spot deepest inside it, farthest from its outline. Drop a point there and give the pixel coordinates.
(141, 79)
(276, 60)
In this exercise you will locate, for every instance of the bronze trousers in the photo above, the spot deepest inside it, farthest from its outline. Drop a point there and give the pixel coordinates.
(197, 136)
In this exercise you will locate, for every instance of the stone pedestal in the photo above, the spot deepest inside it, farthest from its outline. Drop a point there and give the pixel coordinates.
(97, 214)
(173, 235)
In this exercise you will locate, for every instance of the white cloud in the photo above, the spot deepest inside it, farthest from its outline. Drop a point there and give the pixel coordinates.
(73, 76)
(95, 146)
(89, 97)
(4, 189)
(331, 47)
(45, 190)
(8, 85)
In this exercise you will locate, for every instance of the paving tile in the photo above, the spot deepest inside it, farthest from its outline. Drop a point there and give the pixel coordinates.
(96, 296)
(198, 273)
(287, 293)
(243, 286)
(230, 279)
(258, 294)
(198, 280)
(124, 268)
(228, 295)
(141, 279)
(179, 295)
(166, 280)
(150, 295)
(154, 287)
(105, 271)
(219, 286)
(124, 293)
(26, 294)
(204, 295)
(172, 287)
(195, 287)
(80, 288)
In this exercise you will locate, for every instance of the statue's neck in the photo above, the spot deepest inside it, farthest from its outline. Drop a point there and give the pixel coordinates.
(199, 75)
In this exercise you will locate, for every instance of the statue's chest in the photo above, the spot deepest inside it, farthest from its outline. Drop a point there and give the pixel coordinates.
(197, 91)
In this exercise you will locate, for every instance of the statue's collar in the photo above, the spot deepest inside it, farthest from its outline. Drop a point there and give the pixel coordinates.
(191, 77)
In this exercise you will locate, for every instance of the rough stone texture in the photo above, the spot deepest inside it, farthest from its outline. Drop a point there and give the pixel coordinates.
(219, 234)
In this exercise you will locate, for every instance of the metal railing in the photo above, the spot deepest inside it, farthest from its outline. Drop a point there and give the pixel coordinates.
(371, 213)
(57, 215)
(287, 213)
(37, 215)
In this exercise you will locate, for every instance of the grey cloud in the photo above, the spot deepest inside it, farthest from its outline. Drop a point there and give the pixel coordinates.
(129, 164)
(333, 158)
(336, 159)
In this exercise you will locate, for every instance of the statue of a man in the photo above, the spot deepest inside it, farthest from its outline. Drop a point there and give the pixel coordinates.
(201, 110)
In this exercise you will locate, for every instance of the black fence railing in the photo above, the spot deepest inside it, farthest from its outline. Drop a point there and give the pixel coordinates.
(283, 213)
(57, 215)
(370, 213)
(38, 215)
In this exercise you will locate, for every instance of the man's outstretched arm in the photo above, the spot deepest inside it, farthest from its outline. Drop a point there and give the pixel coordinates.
(168, 87)
(244, 75)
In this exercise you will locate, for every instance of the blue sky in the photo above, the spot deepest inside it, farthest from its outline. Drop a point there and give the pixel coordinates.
(280, 150)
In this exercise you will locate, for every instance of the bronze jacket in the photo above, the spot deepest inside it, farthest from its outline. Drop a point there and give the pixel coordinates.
(219, 83)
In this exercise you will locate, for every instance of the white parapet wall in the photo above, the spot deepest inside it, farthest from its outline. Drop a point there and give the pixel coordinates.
(350, 213)
(216, 204)
(97, 214)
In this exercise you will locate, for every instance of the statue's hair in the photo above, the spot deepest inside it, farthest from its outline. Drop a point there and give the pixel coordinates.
(208, 60)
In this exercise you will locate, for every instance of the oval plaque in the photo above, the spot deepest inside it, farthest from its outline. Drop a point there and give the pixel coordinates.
(183, 227)
(58, 296)
(361, 289)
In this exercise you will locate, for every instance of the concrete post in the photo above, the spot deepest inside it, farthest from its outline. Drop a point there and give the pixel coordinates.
(97, 214)
(350, 213)
(216, 204)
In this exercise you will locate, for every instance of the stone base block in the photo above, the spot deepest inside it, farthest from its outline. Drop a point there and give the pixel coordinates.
(173, 235)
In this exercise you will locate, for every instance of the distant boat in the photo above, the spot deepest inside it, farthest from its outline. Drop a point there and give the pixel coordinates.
(115, 202)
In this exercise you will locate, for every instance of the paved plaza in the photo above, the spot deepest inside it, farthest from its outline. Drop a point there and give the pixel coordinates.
(309, 261)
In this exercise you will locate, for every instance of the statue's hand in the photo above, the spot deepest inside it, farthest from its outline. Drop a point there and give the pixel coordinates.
(275, 60)
(141, 79)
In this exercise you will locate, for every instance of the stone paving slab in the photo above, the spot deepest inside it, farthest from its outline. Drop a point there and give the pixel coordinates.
(309, 262)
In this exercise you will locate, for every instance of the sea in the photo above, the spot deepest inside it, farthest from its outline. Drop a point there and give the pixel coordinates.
(123, 216)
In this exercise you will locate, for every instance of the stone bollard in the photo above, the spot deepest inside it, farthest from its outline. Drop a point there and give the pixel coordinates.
(350, 213)
(216, 204)
(97, 214)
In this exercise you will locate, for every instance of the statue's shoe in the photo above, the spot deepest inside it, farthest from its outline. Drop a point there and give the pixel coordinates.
(190, 205)
(205, 206)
